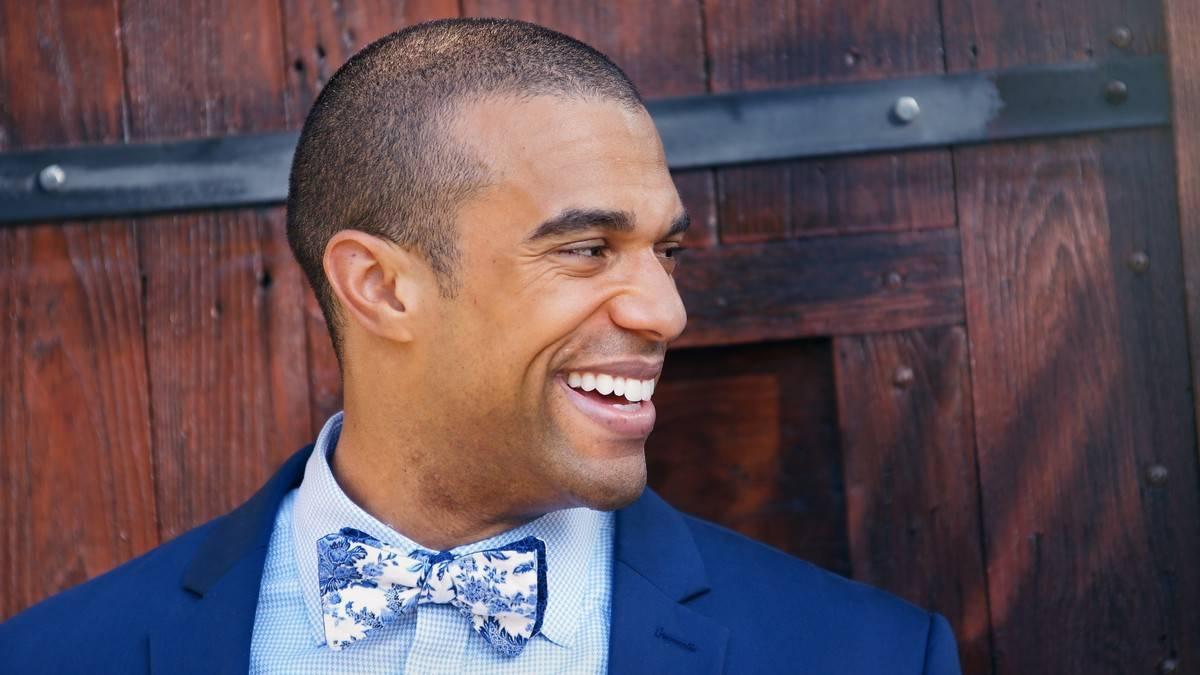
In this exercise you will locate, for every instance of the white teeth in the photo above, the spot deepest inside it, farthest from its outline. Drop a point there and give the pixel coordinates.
(604, 384)
(633, 390)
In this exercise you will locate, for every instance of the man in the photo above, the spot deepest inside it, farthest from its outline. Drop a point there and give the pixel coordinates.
(484, 211)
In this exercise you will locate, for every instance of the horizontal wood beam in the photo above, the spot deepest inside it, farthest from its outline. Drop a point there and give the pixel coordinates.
(820, 287)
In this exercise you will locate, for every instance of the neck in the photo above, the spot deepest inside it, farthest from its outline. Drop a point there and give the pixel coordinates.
(408, 488)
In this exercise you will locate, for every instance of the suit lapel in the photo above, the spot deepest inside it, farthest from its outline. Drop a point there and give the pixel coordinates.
(657, 570)
(212, 629)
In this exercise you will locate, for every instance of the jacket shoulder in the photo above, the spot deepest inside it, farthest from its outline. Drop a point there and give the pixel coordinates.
(788, 611)
(107, 617)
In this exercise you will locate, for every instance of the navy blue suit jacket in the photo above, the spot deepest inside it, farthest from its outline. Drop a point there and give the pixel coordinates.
(688, 597)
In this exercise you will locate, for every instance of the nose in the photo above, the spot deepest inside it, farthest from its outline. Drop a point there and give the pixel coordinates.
(649, 304)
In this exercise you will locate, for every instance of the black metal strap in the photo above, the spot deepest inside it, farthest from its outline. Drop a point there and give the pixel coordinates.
(697, 131)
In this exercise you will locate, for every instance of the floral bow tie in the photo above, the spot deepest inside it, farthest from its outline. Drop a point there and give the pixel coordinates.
(367, 584)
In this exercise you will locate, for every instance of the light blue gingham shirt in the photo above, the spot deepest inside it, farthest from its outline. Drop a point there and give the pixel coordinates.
(288, 631)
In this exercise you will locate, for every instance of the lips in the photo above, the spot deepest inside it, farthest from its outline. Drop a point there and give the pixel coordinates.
(617, 415)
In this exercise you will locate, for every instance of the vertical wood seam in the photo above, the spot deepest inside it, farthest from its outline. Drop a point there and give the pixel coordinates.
(970, 368)
(1184, 95)
(135, 226)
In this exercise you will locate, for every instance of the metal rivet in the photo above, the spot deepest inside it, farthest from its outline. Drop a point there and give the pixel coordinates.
(1139, 261)
(1121, 36)
(1168, 666)
(1115, 92)
(52, 178)
(893, 280)
(1157, 475)
(903, 376)
(906, 109)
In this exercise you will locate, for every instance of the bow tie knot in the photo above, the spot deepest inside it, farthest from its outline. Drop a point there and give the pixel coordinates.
(366, 584)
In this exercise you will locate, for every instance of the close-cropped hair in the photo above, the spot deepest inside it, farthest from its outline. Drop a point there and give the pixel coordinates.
(377, 155)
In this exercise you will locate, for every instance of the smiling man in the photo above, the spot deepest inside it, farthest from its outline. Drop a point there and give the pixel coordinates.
(485, 213)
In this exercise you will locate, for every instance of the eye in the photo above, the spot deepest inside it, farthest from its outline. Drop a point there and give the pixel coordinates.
(670, 250)
(586, 250)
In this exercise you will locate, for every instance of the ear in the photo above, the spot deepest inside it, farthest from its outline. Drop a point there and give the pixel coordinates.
(381, 287)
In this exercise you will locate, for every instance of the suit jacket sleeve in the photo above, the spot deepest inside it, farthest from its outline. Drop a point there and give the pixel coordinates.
(941, 653)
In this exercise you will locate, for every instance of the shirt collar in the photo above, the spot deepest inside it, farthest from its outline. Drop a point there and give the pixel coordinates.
(573, 537)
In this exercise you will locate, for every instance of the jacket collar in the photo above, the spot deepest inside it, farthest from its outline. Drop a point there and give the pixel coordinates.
(212, 632)
(657, 570)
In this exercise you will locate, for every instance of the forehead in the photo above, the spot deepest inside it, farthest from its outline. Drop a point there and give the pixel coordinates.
(547, 154)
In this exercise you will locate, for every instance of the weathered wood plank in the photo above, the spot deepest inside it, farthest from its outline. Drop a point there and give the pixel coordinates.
(319, 35)
(820, 287)
(777, 43)
(912, 490)
(75, 459)
(1074, 400)
(1183, 29)
(225, 329)
(746, 436)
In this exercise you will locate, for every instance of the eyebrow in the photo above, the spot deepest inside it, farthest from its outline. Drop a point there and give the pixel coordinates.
(573, 221)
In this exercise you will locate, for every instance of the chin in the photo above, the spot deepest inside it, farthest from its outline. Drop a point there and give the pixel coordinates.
(610, 484)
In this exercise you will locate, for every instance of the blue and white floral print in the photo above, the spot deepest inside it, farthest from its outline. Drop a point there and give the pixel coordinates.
(367, 584)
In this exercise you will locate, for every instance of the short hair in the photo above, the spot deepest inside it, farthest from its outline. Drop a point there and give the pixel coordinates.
(375, 155)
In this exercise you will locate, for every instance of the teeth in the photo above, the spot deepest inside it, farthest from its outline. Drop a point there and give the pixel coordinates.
(633, 390)
(604, 384)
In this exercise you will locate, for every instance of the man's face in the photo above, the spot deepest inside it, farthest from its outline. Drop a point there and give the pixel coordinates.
(567, 260)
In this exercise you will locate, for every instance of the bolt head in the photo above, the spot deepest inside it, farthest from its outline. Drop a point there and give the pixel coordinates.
(903, 376)
(906, 109)
(1139, 262)
(1168, 666)
(1121, 37)
(1116, 92)
(893, 280)
(1156, 475)
(52, 178)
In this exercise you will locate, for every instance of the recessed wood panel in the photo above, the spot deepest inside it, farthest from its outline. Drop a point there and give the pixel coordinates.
(746, 437)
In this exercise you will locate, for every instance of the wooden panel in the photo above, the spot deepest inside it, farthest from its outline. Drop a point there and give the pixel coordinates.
(1069, 419)
(746, 437)
(822, 286)
(75, 459)
(660, 45)
(319, 35)
(1183, 27)
(912, 491)
(778, 43)
(225, 330)
(1076, 401)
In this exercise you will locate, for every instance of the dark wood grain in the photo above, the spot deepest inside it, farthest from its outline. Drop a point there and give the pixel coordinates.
(912, 490)
(224, 310)
(1183, 27)
(660, 45)
(1069, 419)
(746, 436)
(821, 286)
(1074, 403)
(775, 43)
(318, 36)
(75, 461)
